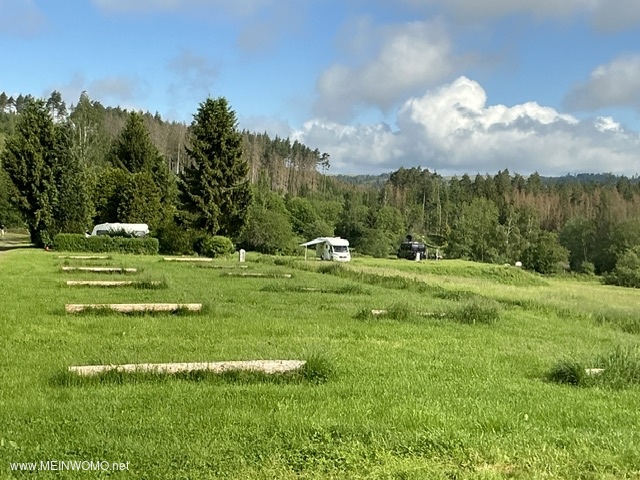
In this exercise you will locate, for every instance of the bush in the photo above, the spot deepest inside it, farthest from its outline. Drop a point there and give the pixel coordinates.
(545, 255)
(175, 240)
(268, 231)
(587, 268)
(215, 246)
(627, 271)
(71, 242)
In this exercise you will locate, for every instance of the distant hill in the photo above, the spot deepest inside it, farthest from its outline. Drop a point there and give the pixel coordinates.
(364, 180)
(585, 178)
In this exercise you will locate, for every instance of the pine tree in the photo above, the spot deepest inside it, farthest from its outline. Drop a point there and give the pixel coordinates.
(214, 188)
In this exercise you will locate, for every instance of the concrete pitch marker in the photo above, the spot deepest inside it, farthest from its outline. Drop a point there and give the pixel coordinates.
(85, 257)
(100, 269)
(225, 266)
(258, 275)
(133, 307)
(187, 259)
(263, 366)
(593, 371)
(106, 283)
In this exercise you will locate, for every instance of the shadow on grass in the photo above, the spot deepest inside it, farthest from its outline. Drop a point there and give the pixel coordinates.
(317, 369)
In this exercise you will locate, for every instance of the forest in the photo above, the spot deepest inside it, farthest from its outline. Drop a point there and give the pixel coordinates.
(65, 168)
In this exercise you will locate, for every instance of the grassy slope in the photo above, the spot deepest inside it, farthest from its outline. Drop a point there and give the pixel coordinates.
(424, 398)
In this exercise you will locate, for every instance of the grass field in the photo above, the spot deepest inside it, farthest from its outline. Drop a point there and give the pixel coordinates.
(428, 390)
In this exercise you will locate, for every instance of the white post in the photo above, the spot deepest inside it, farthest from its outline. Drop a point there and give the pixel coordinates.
(241, 255)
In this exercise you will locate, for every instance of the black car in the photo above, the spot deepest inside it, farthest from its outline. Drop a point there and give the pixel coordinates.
(410, 250)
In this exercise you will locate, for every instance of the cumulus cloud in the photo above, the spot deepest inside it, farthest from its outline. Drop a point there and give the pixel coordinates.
(20, 18)
(614, 84)
(411, 57)
(605, 15)
(452, 129)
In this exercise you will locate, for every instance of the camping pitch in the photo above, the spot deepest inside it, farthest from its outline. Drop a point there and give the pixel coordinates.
(329, 248)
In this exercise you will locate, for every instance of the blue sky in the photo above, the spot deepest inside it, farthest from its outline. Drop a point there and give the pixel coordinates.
(452, 85)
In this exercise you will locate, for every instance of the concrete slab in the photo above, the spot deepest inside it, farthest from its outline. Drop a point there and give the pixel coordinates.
(263, 366)
(134, 307)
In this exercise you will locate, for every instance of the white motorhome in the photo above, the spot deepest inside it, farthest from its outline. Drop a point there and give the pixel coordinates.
(330, 248)
(137, 229)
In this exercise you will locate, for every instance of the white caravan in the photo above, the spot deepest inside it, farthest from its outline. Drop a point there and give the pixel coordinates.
(330, 248)
(137, 229)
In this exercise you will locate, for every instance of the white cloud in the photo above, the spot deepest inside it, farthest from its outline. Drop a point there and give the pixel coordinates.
(234, 7)
(612, 15)
(412, 57)
(110, 91)
(473, 9)
(20, 18)
(614, 84)
(115, 88)
(453, 130)
(607, 124)
(605, 15)
(196, 72)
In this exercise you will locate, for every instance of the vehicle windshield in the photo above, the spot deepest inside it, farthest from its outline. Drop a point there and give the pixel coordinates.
(340, 248)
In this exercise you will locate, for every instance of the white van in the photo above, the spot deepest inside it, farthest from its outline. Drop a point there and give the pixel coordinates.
(330, 248)
(137, 229)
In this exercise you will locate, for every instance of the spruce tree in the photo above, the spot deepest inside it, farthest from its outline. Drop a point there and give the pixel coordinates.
(214, 189)
(134, 152)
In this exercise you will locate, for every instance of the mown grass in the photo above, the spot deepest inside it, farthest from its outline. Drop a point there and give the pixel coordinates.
(317, 369)
(411, 396)
(349, 289)
(181, 311)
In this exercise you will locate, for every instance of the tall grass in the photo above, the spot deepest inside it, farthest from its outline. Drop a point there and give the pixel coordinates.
(471, 313)
(617, 369)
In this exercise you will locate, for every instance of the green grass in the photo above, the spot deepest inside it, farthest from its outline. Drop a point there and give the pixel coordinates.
(463, 392)
(620, 369)
(316, 370)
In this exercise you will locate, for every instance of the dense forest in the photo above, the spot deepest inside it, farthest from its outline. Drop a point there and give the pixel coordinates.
(65, 168)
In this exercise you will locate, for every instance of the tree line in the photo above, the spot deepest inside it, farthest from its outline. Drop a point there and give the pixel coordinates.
(67, 168)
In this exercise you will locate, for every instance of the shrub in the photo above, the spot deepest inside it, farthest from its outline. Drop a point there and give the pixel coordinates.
(71, 242)
(215, 246)
(587, 268)
(175, 240)
(545, 255)
(627, 271)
